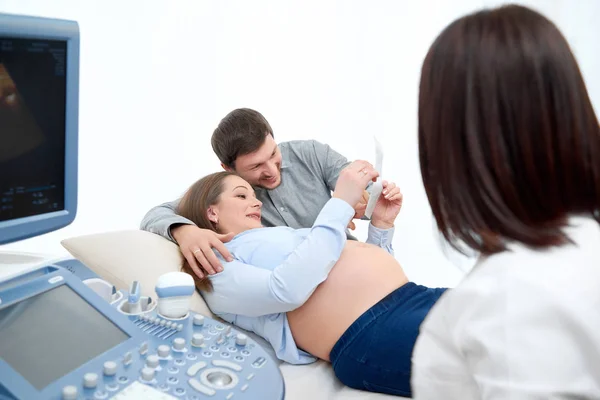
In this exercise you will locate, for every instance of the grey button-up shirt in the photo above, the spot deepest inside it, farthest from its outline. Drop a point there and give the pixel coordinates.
(309, 172)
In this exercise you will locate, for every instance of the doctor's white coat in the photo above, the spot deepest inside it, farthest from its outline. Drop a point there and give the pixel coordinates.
(523, 324)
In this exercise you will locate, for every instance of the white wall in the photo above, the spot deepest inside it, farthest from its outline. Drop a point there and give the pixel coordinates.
(157, 76)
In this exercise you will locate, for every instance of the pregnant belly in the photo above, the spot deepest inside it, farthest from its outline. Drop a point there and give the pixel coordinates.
(363, 275)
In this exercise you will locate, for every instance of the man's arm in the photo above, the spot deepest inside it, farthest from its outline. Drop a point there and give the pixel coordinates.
(162, 218)
(330, 161)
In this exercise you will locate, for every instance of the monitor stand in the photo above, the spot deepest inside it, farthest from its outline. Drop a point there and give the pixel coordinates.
(15, 263)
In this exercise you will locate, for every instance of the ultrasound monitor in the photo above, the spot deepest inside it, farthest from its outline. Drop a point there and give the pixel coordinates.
(39, 88)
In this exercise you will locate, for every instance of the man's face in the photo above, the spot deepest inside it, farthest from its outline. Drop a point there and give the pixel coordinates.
(263, 167)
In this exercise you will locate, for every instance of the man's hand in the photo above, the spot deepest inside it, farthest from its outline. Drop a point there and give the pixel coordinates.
(196, 246)
(353, 180)
(360, 209)
(388, 206)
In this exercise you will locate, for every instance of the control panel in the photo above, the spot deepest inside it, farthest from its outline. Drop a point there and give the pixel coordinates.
(59, 339)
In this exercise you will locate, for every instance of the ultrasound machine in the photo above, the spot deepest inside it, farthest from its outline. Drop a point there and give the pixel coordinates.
(65, 333)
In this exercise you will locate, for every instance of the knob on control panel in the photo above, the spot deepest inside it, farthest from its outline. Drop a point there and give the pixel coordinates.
(198, 320)
(241, 339)
(69, 393)
(152, 361)
(90, 380)
(147, 374)
(197, 339)
(163, 350)
(179, 344)
(110, 368)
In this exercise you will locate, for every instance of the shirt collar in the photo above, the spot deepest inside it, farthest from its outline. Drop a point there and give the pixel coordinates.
(285, 161)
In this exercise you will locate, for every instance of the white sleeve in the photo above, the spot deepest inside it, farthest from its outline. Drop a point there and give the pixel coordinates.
(438, 370)
(517, 342)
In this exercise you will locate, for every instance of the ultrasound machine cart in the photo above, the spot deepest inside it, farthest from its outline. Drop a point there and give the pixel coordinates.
(66, 334)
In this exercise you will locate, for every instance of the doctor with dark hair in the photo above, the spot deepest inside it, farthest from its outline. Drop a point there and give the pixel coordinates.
(510, 158)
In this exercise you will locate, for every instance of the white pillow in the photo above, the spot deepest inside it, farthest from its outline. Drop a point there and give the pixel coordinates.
(120, 257)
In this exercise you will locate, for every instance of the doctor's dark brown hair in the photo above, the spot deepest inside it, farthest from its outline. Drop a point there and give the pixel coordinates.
(240, 132)
(194, 204)
(509, 144)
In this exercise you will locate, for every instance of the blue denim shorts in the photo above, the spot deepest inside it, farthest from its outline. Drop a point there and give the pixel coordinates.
(375, 352)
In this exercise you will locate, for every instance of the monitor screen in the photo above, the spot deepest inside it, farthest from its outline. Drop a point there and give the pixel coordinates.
(49, 335)
(39, 97)
(32, 117)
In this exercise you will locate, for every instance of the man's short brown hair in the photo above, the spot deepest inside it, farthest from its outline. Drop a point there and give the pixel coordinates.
(241, 132)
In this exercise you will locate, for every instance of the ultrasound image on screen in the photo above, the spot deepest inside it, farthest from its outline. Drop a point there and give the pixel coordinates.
(45, 337)
(32, 126)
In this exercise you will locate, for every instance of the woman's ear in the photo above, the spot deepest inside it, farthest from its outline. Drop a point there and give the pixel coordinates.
(212, 215)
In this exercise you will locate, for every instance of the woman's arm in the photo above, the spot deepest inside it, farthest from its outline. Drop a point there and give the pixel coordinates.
(248, 290)
(381, 228)
(381, 237)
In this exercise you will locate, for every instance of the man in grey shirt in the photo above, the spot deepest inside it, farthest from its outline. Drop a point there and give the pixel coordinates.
(293, 181)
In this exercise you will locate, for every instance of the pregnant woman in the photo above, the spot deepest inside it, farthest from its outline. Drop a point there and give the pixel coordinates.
(310, 292)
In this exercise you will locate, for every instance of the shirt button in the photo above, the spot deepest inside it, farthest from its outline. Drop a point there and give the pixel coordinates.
(282, 208)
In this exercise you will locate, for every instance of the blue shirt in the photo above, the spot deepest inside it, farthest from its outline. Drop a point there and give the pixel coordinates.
(276, 269)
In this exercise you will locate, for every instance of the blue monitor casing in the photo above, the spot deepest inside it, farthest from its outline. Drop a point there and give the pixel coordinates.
(39, 100)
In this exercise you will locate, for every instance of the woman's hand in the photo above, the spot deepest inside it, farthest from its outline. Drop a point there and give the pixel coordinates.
(359, 209)
(353, 180)
(387, 207)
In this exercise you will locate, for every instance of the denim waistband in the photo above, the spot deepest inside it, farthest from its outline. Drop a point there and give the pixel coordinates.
(393, 300)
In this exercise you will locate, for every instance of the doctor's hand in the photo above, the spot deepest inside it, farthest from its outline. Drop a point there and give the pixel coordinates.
(353, 180)
(197, 245)
(387, 207)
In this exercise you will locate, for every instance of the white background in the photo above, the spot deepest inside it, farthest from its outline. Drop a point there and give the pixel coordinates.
(157, 76)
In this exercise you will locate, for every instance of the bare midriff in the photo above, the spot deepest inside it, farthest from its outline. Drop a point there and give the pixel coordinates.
(363, 276)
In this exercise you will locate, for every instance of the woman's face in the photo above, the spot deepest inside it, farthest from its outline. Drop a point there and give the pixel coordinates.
(237, 209)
